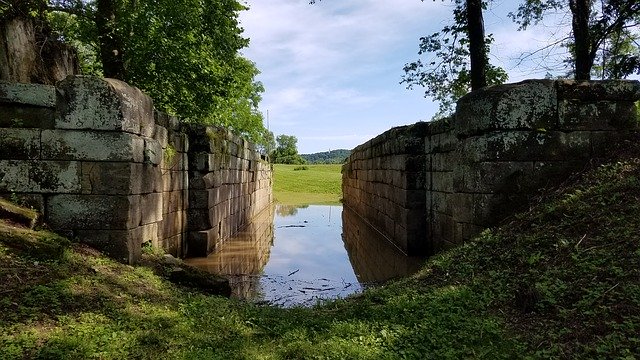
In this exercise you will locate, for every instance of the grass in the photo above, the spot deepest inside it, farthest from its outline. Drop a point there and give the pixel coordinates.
(308, 184)
(559, 281)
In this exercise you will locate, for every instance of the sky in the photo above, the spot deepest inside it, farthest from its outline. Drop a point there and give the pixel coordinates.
(332, 70)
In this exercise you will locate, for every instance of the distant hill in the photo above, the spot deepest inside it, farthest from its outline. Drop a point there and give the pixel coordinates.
(327, 157)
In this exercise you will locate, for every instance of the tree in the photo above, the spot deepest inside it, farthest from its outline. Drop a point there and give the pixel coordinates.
(458, 59)
(286, 151)
(605, 34)
(478, 58)
(184, 53)
(30, 51)
(580, 24)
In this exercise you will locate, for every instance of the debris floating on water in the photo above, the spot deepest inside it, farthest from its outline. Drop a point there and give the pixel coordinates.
(293, 272)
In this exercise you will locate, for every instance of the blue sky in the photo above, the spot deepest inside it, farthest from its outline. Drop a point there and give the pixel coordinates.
(331, 71)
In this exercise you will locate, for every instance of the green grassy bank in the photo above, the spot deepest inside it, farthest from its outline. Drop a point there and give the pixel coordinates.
(307, 184)
(561, 280)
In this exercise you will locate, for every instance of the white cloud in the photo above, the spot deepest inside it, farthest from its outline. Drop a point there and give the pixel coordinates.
(332, 69)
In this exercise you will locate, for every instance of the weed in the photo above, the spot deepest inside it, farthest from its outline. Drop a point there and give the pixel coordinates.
(169, 154)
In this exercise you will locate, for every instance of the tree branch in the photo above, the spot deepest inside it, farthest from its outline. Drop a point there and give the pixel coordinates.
(524, 57)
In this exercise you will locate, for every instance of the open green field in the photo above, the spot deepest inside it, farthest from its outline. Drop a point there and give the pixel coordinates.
(319, 184)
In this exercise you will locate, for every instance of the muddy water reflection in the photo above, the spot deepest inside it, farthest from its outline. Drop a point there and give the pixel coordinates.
(242, 258)
(374, 258)
(299, 255)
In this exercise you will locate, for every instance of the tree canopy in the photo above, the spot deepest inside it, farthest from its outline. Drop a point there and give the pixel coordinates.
(183, 53)
(455, 59)
(605, 39)
(286, 151)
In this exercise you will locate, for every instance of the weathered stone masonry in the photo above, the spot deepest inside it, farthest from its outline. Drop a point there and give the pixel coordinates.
(95, 158)
(429, 186)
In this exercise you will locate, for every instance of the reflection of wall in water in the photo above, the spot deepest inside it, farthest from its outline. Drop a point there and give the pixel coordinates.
(373, 257)
(243, 257)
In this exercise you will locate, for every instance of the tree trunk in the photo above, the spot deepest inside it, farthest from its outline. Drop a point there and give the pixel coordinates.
(111, 49)
(27, 56)
(581, 36)
(19, 57)
(477, 48)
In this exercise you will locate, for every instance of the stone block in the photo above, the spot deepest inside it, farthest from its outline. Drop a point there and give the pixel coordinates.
(151, 206)
(174, 245)
(530, 104)
(178, 180)
(172, 160)
(199, 199)
(153, 152)
(39, 176)
(151, 178)
(179, 141)
(410, 199)
(604, 143)
(442, 181)
(444, 142)
(122, 245)
(55, 176)
(548, 173)
(18, 144)
(198, 219)
(440, 126)
(202, 161)
(615, 90)
(597, 115)
(173, 223)
(172, 201)
(91, 146)
(14, 176)
(440, 202)
(443, 229)
(86, 102)
(28, 94)
(149, 233)
(445, 161)
(109, 178)
(161, 118)
(24, 116)
(526, 146)
(202, 243)
(161, 135)
(495, 177)
(93, 212)
(169, 122)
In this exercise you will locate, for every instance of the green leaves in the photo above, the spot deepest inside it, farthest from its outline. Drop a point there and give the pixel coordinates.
(183, 53)
(444, 70)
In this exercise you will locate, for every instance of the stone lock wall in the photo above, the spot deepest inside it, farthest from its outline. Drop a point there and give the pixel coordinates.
(101, 164)
(502, 144)
(384, 181)
(230, 183)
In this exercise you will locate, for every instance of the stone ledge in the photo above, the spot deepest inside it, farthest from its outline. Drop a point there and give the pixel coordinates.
(28, 94)
(86, 102)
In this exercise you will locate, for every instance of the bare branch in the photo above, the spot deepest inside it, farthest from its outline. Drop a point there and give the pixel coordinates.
(527, 56)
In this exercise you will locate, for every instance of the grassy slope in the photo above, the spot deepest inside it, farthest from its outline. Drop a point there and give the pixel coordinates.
(318, 184)
(560, 281)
